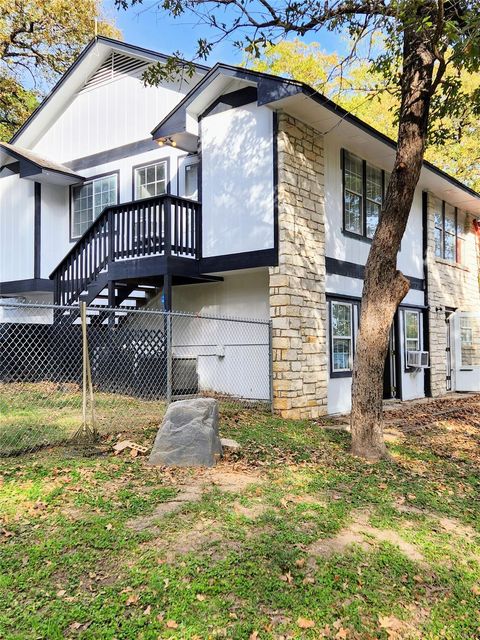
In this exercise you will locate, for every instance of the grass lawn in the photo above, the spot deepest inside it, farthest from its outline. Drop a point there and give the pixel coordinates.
(289, 538)
(34, 415)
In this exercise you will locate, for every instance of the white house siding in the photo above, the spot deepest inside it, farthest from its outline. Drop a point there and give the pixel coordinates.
(109, 116)
(125, 167)
(237, 180)
(26, 315)
(232, 357)
(16, 228)
(54, 227)
(347, 249)
(342, 247)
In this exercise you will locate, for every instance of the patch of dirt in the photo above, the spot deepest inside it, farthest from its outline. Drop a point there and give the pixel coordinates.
(225, 480)
(252, 512)
(339, 544)
(363, 534)
(451, 525)
(203, 537)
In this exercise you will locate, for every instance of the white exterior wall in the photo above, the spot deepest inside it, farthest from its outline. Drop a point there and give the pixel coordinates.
(232, 357)
(342, 247)
(237, 180)
(125, 168)
(348, 249)
(54, 227)
(16, 228)
(413, 380)
(109, 116)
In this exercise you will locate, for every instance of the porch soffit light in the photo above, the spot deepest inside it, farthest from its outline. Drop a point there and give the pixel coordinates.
(163, 141)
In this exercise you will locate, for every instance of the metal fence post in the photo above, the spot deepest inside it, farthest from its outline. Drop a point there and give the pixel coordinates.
(169, 357)
(270, 363)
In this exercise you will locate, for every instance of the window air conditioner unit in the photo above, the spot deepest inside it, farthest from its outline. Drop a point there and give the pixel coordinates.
(417, 359)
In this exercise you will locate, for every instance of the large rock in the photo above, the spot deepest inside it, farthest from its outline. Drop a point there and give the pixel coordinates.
(188, 436)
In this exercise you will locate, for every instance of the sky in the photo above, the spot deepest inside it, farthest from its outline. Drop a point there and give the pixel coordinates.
(146, 26)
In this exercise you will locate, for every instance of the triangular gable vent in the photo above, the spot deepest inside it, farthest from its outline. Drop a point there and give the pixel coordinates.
(117, 65)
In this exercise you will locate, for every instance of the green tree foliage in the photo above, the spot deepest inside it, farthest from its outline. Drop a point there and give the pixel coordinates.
(39, 40)
(369, 95)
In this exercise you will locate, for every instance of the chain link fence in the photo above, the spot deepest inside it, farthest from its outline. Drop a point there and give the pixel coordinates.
(137, 360)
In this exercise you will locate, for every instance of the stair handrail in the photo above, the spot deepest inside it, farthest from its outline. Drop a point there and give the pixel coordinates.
(104, 215)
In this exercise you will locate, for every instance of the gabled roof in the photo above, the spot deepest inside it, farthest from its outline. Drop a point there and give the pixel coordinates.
(74, 79)
(35, 167)
(279, 93)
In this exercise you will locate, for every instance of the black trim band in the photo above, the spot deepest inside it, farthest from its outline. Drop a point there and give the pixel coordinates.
(112, 155)
(37, 233)
(227, 101)
(352, 270)
(34, 285)
(234, 261)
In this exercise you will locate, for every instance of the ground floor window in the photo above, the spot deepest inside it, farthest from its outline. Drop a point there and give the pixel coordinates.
(412, 330)
(341, 330)
(90, 199)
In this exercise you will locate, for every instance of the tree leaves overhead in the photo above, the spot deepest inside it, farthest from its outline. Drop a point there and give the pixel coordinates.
(368, 81)
(38, 42)
(371, 95)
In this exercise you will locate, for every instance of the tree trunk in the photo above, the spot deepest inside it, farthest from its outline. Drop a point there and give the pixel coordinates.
(384, 286)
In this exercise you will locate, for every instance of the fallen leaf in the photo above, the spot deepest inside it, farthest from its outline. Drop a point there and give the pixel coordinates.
(147, 611)
(305, 623)
(476, 590)
(200, 597)
(171, 624)
(300, 562)
(391, 625)
(287, 577)
(61, 593)
(109, 526)
(308, 580)
(133, 599)
(341, 634)
(253, 635)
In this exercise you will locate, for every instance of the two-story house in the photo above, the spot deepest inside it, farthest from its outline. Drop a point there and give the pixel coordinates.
(242, 194)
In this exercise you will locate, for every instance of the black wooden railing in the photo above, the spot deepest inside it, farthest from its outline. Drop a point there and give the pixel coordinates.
(163, 225)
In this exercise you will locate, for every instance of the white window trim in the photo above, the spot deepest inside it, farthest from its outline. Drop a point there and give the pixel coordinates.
(419, 338)
(91, 180)
(142, 167)
(333, 336)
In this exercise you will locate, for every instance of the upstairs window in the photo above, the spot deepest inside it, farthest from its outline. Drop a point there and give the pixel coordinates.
(448, 233)
(341, 330)
(363, 195)
(150, 180)
(90, 199)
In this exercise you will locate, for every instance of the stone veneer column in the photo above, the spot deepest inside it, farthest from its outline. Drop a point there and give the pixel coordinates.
(449, 285)
(297, 285)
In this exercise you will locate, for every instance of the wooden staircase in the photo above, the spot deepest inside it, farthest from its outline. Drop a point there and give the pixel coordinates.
(105, 266)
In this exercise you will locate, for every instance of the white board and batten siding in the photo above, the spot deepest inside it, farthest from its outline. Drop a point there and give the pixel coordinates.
(16, 228)
(237, 180)
(232, 357)
(103, 116)
(347, 249)
(108, 115)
